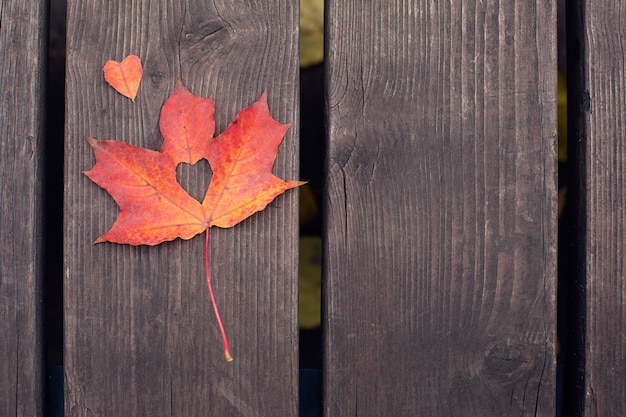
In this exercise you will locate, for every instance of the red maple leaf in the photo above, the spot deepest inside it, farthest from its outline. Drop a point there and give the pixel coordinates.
(154, 207)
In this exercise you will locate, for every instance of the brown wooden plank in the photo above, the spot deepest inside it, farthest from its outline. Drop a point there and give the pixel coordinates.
(141, 338)
(22, 79)
(598, 112)
(441, 215)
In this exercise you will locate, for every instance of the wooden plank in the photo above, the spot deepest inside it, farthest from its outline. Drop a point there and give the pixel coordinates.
(441, 208)
(598, 114)
(22, 79)
(141, 337)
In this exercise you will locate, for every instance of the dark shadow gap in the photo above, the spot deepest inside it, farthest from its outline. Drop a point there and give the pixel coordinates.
(572, 223)
(312, 157)
(53, 210)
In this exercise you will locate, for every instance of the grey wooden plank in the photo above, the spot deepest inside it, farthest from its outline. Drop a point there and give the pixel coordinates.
(441, 209)
(22, 79)
(141, 338)
(598, 115)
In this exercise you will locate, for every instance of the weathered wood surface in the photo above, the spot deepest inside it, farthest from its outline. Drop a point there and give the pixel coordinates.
(441, 215)
(22, 76)
(141, 337)
(598, 109)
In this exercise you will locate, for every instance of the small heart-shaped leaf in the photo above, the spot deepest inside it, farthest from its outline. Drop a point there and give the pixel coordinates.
(124, 76)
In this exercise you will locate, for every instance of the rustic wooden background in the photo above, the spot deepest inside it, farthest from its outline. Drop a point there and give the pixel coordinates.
(22, 133)
(597, 109)
(441, 208)
(140, 334)
(440, 204)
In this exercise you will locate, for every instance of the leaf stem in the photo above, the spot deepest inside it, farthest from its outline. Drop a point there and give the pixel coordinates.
(208, 281)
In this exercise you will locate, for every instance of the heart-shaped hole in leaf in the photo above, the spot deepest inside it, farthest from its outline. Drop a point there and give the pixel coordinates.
(195, 179)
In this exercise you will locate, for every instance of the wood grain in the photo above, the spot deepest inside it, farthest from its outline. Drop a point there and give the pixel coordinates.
(141, 338)
(22, 79)
(599, 108)
(441, 209)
